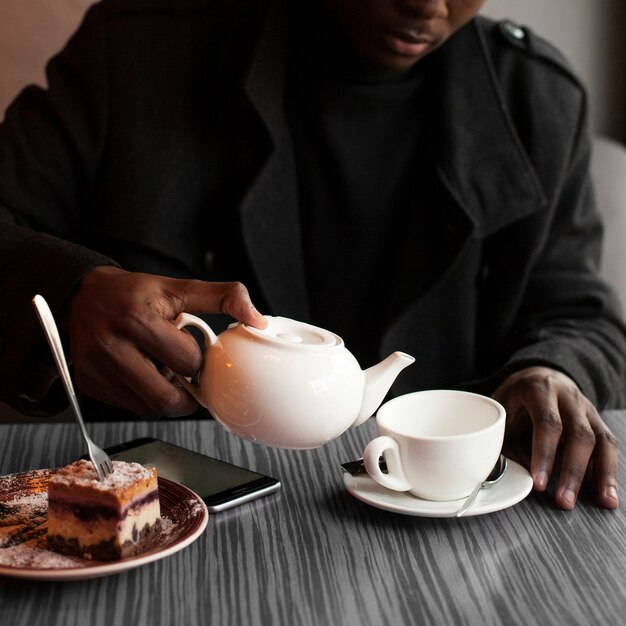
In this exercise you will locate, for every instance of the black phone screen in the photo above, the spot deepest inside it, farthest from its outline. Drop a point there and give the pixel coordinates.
(216, 482)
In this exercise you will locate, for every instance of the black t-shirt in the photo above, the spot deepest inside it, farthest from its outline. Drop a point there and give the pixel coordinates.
(358, 139)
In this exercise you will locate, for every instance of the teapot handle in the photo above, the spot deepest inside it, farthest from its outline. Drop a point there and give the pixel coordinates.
(187, 319)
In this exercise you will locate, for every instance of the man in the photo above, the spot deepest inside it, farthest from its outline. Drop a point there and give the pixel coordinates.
(399, 171)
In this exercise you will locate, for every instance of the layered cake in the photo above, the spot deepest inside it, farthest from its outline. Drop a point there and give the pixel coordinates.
(102, 520)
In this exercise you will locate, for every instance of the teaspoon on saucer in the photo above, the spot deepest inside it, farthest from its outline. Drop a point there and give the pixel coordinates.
(494, 477)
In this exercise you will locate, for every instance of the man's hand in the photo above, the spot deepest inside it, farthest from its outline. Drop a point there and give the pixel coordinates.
(561, 417)
(122, 333)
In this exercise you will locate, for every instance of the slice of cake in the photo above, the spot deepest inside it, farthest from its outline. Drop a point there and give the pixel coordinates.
(102, 520)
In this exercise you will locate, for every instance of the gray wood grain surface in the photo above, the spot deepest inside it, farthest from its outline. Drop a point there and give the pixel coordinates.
(312, 554)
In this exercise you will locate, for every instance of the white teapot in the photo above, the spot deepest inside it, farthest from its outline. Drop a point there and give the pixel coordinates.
(290, 385)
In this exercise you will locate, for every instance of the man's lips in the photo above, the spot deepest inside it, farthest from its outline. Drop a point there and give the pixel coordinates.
(407, 43)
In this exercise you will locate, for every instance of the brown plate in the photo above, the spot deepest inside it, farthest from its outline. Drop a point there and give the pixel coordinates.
(23, 525)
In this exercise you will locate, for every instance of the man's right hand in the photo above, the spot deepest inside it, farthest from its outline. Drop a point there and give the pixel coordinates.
(122, 332)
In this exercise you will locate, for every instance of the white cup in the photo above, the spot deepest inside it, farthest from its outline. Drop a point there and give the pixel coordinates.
(438, 444)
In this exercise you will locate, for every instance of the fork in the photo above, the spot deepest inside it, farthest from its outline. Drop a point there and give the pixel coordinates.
(98, 456)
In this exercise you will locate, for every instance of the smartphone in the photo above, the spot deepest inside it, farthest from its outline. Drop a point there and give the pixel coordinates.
(221, 485)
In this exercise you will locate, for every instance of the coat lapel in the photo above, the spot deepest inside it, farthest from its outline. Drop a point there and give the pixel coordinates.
(269, 211)
(490, 183)
(481, 159)
(479, 141)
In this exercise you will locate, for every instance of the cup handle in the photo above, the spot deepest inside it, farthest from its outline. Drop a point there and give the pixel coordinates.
(187, 319)
(385, 446)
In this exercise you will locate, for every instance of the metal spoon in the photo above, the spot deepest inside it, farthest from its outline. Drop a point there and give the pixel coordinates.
(494, 477)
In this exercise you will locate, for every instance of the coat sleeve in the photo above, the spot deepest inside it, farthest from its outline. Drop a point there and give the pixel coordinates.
(50, 144)
(563, 315)
(569, 318)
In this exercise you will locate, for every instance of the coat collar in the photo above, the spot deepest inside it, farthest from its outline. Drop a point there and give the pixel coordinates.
(479, 142)
(481, 158)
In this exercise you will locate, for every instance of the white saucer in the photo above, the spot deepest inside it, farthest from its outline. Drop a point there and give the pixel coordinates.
(513, 488)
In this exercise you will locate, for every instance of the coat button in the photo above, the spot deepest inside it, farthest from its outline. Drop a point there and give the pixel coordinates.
(513, 31)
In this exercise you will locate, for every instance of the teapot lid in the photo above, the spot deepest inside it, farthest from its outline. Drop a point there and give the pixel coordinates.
(291, 332)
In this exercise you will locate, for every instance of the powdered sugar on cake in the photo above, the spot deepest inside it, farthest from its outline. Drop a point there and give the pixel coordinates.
(27, 509)
(25, 556)
(83, 474)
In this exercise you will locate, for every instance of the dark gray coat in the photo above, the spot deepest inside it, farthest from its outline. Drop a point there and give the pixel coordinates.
(161, 145)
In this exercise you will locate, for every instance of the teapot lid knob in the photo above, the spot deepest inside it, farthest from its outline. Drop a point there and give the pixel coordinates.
(291, 332)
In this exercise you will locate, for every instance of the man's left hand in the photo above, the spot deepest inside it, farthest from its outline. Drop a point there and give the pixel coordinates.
(561, 418)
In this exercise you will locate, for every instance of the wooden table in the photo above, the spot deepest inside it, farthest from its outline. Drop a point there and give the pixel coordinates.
(313, 554)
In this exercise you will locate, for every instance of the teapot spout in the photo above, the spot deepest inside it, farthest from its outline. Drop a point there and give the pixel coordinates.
(378, 380)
